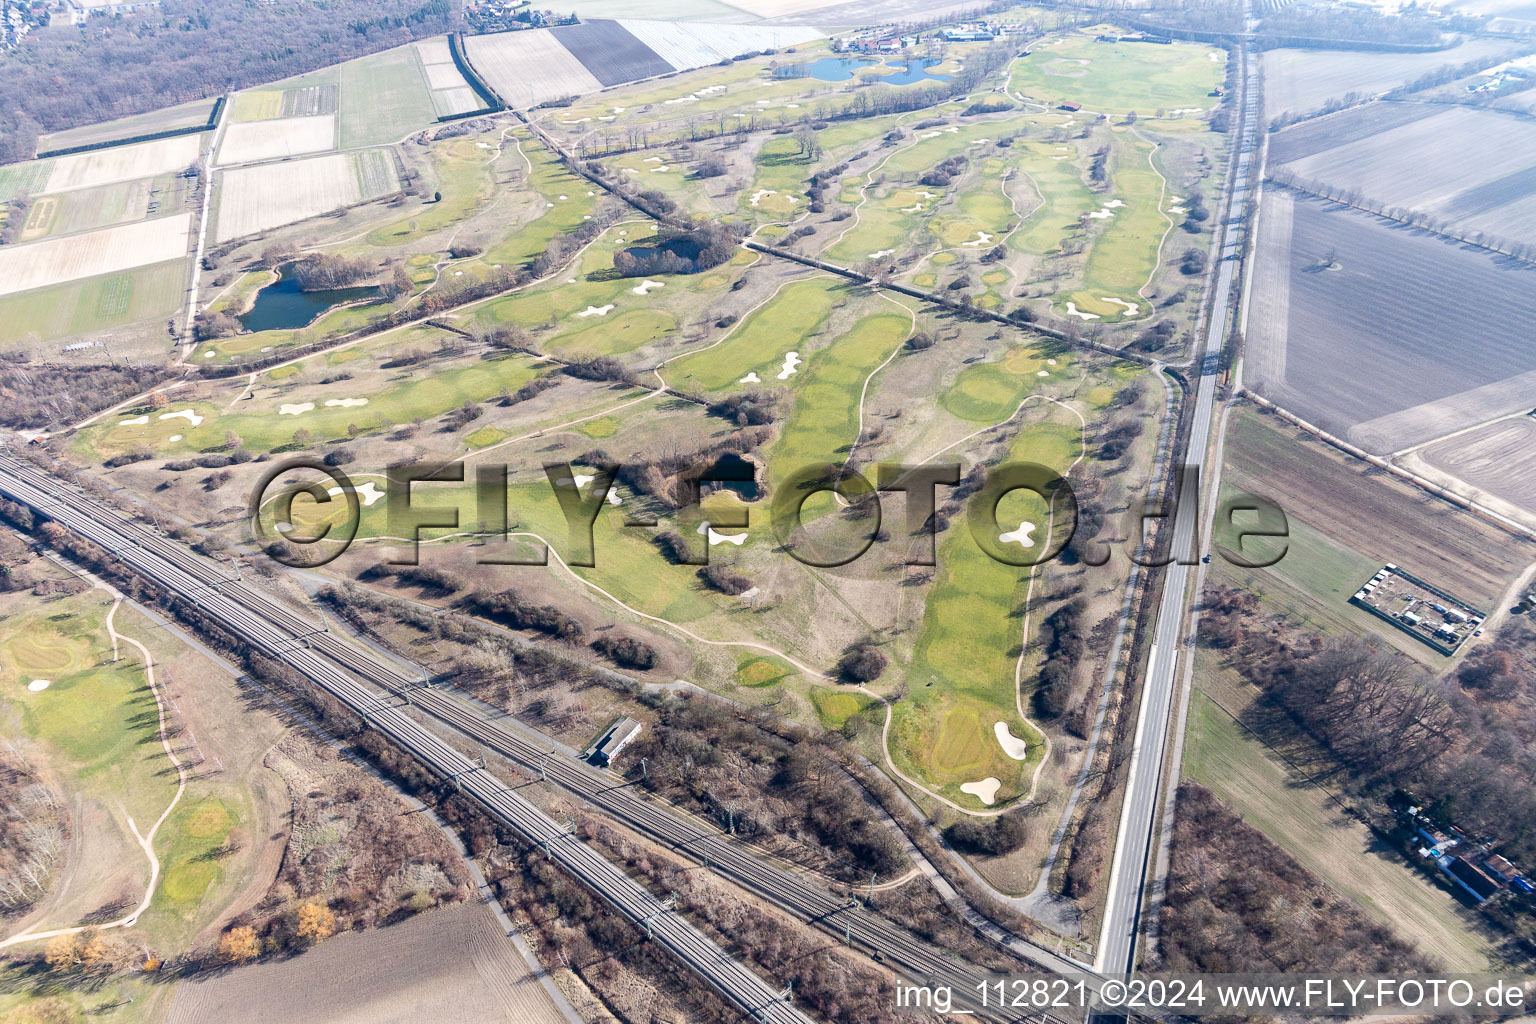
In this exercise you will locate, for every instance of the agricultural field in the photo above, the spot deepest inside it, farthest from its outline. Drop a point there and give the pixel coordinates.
(530, 67)
(385, 97)
(1494, 463)
(451, 94)
(248, 142)
(1345, 520)
(1298, 82)
(1341, 296)
(187, 115)
(95, 305)
(107, 251)
(68, 213)
(453, 964)
(1468, 168)
(253, 199)
(123, 163)
(1118, 78)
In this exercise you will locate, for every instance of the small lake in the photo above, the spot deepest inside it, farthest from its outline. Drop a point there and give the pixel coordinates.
(281, 306)
(841, 69)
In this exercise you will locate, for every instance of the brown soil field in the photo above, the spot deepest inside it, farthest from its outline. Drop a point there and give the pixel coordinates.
(449, 965)
(1372, 513)
(1499, 458)
(1340, 297)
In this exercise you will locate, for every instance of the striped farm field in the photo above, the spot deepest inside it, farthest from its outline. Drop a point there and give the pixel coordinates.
(253, 199)
(123, 163)
(38, 264)
(529, 67)
(95, 304)
(250, 141)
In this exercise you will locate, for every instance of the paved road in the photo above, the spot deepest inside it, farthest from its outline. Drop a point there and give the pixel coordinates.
(1134, 842)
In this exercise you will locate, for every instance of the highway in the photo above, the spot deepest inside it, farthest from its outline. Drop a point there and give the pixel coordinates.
(341, 669)
(188, 575)
(1134, 840)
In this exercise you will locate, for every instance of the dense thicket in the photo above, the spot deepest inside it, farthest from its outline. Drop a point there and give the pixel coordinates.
(185, 50)
(35, 395)
(1237, 902)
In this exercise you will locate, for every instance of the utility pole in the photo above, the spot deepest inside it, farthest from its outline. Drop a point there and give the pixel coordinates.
(643, 776)
(872, 876)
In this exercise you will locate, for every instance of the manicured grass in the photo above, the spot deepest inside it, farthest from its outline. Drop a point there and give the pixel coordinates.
(406, 398)
(824, 421)
(384, 97)
(1060, 195)
(758, 344)
(95, 304)
(1118, 78)
(962, 676)
(782, 170)
(1125, 251)
(980, 209)
(565, 194)
(758, 670)
(989, 392)
(464, 179)
(834, 707)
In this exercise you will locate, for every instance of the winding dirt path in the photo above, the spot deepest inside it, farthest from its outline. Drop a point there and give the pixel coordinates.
(146, 840)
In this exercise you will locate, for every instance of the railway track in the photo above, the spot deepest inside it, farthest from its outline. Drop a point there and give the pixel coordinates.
(186, 574)
(338, 666)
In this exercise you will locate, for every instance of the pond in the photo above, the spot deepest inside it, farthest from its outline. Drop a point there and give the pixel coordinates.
(281, 306)
(840, 69)
(731, 472)
(827, 69)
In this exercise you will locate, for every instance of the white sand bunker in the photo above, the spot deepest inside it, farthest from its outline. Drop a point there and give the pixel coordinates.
(294, 408)
(209, 354)
(175, 437)
(1042, 373)
(1113, 204)
(792, 363)
(367, 493)
(653, 159)
(183, 414)
(39, 684)
(751, 378)
(1012, 745)
(137, 421)
(926, 194)
(346, 403)
(1072, 310)
(760, 195)
(914, 208)
(581, 480)
(563, 198)
(1131, 308)
(1023, 536)
(882, 252)
(663, 167)
(1180, 111)
(721, 538)
(1101, 214)
(985, 790)
(613, 497)
(1216, 56)
(596, 310)
(645, 286)
(982, 238)
(1050, 362)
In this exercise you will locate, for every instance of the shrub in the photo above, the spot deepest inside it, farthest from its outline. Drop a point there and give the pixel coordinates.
(725, 580)
(626, 651)
(862, 663)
